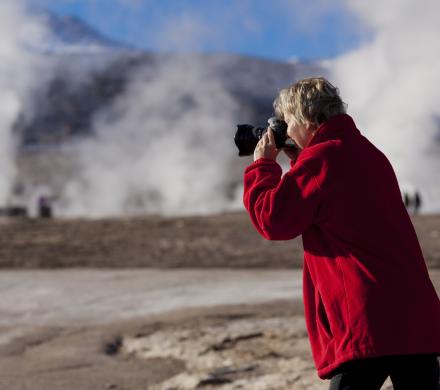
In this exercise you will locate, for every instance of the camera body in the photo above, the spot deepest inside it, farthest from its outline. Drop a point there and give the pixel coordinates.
(247, 136)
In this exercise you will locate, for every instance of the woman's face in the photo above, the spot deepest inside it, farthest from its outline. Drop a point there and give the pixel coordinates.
(301, 135)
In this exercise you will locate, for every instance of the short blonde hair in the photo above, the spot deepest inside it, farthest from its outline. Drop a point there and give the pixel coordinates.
(310, 101)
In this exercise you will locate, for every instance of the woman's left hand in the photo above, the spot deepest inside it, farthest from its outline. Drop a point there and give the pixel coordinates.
(266, 147)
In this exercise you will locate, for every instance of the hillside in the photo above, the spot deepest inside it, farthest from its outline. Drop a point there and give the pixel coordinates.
(85, 84)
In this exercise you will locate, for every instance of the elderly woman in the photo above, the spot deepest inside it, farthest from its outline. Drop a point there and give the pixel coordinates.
(371, 309)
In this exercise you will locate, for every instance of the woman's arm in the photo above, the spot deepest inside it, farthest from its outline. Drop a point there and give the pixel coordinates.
(281, 208)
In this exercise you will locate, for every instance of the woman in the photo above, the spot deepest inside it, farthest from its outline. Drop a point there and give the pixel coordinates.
(370, 307)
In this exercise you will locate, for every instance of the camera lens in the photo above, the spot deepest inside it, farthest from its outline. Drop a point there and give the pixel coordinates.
(247, 136)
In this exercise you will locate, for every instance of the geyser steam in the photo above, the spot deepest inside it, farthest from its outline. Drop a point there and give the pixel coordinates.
(165, 146)
(19, 68)
(391, 85)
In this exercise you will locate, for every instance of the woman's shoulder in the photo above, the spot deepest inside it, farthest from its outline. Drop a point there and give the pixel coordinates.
(323, 161)
(320, 154)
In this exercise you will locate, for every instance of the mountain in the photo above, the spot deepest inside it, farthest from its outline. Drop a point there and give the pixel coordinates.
(89, 71)
(81, 88)
(95, 83)
(69, 34)
(100, 90)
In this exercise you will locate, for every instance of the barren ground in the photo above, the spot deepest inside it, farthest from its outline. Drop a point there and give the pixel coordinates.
(244, 346)
(226, 240)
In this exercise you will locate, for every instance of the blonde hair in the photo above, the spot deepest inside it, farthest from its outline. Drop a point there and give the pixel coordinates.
(310, 101)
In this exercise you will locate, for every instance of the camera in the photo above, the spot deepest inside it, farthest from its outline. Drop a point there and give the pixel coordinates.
(247, 136)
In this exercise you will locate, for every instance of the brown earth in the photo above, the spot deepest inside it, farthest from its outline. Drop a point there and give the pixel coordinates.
(226, 240)
(262, 346)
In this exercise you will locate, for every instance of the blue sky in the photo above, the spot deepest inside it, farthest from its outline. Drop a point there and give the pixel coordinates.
(277, 29)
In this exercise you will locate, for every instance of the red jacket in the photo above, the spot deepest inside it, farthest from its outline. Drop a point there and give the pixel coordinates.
(366, 287)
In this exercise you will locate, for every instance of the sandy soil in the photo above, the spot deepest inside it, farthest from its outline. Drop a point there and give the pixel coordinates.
(238, 347)
(245, 346)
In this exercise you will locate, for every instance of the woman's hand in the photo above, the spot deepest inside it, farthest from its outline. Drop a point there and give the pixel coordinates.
(266, 147)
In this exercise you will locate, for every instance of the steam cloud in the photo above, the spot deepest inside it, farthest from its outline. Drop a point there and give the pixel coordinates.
(391, 85)
(165, 146)
(19, 68)
(155, 158)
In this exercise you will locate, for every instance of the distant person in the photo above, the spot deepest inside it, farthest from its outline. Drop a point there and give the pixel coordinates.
(371, 309)
(406, 200)
(44, 207)
(417, 202)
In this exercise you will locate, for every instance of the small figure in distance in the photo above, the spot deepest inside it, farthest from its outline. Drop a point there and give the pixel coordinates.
(44, 207)
(417, 202)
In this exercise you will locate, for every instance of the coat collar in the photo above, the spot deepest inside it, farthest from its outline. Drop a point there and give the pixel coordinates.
(337, 127)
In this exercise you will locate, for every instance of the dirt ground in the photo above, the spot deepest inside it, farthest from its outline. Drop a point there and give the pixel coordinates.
(258, 346)
(229, 347)
(226, 240)
(242, 346)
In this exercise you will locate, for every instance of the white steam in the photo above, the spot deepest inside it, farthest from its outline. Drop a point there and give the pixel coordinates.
(166, 144)
(164, 147)
(391, 85)
(19, 73)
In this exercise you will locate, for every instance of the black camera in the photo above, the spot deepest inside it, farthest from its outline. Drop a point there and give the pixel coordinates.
(247, 136)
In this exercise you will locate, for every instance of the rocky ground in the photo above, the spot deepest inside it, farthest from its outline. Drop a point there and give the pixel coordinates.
(255, 347)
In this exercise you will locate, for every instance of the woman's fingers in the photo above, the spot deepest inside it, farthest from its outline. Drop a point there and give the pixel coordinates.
(266, 146)
(270, 136)
(267, 138)
(264, 140)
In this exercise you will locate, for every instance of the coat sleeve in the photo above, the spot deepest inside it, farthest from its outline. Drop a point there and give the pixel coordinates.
(281, 208)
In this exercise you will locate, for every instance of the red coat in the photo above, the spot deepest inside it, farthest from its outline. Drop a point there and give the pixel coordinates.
(366, 287)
